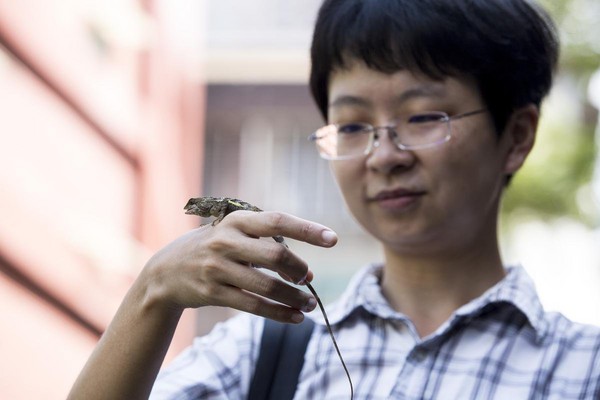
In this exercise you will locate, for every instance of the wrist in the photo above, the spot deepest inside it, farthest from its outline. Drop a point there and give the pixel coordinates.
(154, 296)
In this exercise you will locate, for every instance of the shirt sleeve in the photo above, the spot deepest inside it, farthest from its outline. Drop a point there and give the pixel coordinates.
(219, 365)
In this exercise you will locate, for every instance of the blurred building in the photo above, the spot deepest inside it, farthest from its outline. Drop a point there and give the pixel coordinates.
(101, 122)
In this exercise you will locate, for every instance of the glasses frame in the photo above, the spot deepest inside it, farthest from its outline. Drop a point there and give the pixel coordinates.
(373, 131)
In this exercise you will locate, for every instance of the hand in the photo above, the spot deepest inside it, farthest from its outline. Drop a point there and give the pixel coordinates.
(212, 265)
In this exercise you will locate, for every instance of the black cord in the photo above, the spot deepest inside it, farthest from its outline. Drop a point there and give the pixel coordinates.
(337, 349)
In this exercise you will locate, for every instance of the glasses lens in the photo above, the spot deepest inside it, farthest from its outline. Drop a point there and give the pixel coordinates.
(343, 141)
(423, 129)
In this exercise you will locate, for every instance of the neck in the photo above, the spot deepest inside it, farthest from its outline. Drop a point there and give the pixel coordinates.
(429, 288)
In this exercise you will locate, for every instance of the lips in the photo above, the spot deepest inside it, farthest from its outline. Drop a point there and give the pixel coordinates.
(390, 194)
(397, 199)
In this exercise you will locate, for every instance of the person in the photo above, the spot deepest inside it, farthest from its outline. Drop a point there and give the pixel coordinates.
(431, 106)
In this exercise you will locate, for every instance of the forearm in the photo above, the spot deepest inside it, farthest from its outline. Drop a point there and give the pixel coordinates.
(129, 355)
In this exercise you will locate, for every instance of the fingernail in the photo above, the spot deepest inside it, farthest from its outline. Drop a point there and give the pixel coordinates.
(328, 236)
(310, 305)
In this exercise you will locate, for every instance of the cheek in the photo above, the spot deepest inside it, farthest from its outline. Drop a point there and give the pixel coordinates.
(348, 178)
(474, 167)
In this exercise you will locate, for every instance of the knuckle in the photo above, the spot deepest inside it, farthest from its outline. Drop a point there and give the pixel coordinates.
(275, 220)
(219, 244)
(210, 270)
(307, 231)
(233, 218)
(210, 273)
(268, 287)
(254, 306)
(211, 292)
(280, 255)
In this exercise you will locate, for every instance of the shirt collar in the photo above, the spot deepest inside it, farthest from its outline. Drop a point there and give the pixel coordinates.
(516, 289)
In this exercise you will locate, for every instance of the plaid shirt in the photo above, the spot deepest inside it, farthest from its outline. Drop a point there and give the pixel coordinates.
(501, 345)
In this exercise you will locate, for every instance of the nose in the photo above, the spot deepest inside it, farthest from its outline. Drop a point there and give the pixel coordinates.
(386, 155)
(388, 133)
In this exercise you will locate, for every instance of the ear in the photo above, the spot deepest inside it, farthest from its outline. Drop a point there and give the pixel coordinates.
(519, 136)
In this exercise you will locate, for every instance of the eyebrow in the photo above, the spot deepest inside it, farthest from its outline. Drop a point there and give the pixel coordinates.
(427, 90)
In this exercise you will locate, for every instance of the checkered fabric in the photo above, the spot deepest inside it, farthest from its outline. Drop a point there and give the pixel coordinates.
(502, 345)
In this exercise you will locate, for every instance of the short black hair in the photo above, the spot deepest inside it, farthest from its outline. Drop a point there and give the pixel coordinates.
(510, 47)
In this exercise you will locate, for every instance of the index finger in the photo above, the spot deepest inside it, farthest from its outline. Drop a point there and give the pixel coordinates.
(274, 223)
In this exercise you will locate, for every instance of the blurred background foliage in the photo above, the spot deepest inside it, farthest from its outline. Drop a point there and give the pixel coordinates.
(556, 181)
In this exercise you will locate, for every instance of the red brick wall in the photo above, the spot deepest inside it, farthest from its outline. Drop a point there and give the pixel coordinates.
(100, 147)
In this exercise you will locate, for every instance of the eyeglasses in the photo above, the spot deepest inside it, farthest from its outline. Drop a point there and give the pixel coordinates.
(418, 131)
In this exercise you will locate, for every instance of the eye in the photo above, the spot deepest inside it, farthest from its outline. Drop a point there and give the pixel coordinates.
(354, 128)
(426, 118)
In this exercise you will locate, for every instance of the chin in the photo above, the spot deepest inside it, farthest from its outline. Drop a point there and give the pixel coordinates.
(411, 241)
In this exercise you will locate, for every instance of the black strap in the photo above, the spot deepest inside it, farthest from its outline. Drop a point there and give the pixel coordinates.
(280, 360)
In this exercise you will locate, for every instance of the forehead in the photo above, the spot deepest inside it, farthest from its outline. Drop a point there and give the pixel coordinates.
(359, 85)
